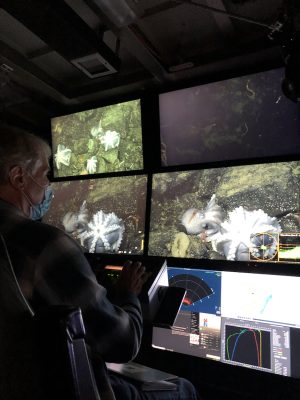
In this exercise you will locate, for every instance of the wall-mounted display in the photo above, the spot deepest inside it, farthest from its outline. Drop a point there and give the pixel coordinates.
(104, 215)
(237, 213)
(240, 118)
(100, 140)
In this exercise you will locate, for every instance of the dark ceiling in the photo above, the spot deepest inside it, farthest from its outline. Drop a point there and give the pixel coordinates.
(57, 56)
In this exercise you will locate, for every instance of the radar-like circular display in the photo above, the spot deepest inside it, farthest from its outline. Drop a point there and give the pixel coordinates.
(196, 288)
(264, 246)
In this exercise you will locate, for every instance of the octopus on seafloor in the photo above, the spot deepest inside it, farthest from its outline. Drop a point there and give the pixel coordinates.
(62, 156)
(208, 220)
(110, 140)
(102, 234)
(230, 237)
(76, 223)
(97, 130)
(91, 165)
(239, 229)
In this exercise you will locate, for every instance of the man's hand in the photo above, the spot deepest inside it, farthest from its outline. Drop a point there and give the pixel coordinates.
(132, 278)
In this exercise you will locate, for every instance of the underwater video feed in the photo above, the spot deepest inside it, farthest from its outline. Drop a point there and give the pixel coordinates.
(237, 213)
(104, 215)
(101, 140)
(240, 118)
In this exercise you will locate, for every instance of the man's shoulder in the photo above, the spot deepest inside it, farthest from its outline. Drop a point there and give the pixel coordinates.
(41, 234)
(44, 228)
(51, 241)
(51, 232)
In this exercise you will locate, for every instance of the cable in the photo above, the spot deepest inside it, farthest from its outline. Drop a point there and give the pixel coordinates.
(14, 276)
(275, 27)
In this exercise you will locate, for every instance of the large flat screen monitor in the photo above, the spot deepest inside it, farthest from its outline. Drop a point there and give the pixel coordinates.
(243, 319)
(237, 213)
(100, 140)
(240, 118)
(104, 215)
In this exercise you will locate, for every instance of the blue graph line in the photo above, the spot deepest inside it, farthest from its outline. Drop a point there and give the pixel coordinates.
(269, 298)
(236, 342)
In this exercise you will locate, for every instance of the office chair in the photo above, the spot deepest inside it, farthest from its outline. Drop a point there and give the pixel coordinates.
(43, 355)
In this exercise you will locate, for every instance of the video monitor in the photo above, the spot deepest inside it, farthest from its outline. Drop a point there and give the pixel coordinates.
(243, 319)
(240, 118)
(100, 140)
(236, 213)
(104, 215)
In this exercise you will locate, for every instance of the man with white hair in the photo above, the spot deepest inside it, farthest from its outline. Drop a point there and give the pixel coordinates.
(51, 269)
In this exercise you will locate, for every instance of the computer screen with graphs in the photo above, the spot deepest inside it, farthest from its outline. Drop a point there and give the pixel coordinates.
(243, 319)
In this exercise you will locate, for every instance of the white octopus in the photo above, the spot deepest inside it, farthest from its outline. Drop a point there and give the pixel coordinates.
(232, 237)
(208, 220)
(104, 230)
(76, 223)
(62, 156)
(97, 130)
(91, 165)
(110, 140)
(240, 226)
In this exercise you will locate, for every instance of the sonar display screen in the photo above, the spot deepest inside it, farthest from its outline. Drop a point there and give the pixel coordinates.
(101, 140)
(203, 289)
(238, 213)
(104, 215)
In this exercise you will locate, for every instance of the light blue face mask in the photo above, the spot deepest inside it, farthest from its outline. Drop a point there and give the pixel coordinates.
(38, 211)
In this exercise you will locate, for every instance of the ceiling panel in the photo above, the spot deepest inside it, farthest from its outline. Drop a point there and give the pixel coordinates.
(152, 44)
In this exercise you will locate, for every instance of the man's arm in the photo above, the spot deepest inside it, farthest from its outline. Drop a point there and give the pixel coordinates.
(64, 276)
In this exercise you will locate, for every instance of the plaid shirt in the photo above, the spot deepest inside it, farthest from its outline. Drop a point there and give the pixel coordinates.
(52, 269)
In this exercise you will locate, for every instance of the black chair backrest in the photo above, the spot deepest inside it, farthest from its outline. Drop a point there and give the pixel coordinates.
(60, 338)
(43, 355)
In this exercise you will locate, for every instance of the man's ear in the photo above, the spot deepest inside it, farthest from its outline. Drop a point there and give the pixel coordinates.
(16, 177)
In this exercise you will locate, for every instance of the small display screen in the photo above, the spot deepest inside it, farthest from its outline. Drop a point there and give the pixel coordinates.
(101, 140)
(104, 215)
(237, 213)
